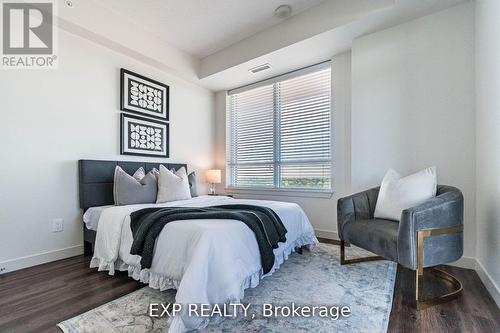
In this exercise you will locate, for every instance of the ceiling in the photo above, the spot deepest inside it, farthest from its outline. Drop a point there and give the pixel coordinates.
(318, 48)
(202, 27)
(214, 43)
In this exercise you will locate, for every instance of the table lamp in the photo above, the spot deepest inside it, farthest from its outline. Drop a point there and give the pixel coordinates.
(213, 177)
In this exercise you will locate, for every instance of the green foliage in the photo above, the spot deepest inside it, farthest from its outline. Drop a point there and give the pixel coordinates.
(305, 183)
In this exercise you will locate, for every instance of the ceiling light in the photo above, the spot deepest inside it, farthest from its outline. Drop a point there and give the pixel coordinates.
(69, 3)
(283, 11)
(259, 68)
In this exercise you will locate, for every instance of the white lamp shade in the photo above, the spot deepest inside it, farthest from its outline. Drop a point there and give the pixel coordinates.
(213, 176)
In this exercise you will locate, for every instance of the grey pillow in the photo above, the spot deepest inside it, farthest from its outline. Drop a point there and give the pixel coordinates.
(193, 187)
(128, 190)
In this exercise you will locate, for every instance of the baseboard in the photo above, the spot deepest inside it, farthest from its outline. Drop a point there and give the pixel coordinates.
(326, 234)
(39, 258)
(465, 262)
(488, 282)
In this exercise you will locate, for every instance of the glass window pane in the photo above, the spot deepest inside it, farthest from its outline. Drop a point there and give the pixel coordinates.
(279, 135)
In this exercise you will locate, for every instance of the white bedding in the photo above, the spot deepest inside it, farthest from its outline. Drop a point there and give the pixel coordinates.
(207, 261)
(92, 215)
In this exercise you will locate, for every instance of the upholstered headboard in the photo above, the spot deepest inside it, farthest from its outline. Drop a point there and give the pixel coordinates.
(96, 179)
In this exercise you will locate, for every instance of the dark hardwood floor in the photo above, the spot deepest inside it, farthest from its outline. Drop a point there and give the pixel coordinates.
(474, 311)
(37, 298)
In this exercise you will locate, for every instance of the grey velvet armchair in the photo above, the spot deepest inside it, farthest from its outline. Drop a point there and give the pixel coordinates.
(427, 235)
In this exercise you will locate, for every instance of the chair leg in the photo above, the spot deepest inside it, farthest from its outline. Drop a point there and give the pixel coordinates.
(422, 303)
(344, 261)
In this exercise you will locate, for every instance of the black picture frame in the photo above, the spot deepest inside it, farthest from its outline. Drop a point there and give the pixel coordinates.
(126, 78)
(125, 136)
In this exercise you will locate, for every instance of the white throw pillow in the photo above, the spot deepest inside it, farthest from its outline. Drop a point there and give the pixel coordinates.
(172, 186)
(398, 193)
(138, 174)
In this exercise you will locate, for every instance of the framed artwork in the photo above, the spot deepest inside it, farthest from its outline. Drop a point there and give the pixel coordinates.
(143, 96)
(143, 137)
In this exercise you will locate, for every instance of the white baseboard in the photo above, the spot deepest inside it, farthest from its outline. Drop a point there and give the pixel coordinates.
(39, 258)
(326, 234)
(465, 262)
(488, 282)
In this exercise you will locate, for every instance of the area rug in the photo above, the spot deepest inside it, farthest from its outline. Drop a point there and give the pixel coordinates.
(313, 278)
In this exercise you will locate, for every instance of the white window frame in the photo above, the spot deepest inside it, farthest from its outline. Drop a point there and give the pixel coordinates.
(301, 192)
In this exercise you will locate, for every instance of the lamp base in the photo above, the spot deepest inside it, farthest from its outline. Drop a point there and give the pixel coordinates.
(212, 189)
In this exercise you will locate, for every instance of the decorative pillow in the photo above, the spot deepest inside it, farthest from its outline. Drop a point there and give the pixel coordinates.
(136, 189)
(398, 193)
(193, 186)
(173, 186)
(138, 174)
(156, 172)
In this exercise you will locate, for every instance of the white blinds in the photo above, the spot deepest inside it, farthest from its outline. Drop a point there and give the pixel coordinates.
(279, 135)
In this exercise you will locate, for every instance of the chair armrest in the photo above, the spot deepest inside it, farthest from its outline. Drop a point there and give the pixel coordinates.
(443, 211)
(356, 207)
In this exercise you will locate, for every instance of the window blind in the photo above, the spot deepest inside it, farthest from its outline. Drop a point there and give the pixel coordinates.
(279, 134)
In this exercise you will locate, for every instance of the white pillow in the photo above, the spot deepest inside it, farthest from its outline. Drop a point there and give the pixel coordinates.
(138, 174)
(172, 186)
(398, 193)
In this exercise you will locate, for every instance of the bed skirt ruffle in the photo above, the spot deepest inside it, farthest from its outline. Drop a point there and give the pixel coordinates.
(161, 282)
(109, 266)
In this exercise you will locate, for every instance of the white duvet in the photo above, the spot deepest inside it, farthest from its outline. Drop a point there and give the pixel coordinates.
(207, 261)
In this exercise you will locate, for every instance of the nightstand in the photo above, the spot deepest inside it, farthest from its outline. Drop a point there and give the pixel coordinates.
(222, 195)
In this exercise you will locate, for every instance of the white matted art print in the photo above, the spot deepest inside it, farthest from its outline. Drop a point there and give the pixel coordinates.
(144, 96)
(143, 137)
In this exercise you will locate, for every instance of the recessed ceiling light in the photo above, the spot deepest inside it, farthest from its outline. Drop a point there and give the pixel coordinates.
(283, 11)
(259, 68)
(69, 3)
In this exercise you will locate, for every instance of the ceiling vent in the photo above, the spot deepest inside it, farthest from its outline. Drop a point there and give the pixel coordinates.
(283, 11)
(260, 68)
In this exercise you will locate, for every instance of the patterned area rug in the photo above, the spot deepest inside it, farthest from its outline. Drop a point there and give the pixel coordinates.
(314, 278)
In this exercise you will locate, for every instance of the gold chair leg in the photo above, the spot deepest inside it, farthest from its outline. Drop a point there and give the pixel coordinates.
(422, 303)
(344, 261)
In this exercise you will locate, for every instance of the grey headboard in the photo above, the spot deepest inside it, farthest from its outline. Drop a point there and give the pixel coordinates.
(96, 179)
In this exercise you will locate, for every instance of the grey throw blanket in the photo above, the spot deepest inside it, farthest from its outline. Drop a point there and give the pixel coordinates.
(146, 225)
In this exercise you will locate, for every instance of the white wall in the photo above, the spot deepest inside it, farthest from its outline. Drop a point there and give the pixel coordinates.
(413, 104)
(412, 86)
(322, 212)
(488, 143)
(318, 19)
(52, 118)
(97, 21)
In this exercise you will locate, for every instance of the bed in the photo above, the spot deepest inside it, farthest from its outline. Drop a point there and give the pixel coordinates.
(206, 261)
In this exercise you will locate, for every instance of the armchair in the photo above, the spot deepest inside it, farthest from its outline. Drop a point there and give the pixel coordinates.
(427, 235)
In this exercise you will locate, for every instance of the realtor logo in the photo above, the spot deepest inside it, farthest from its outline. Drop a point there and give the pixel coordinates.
(28, 34)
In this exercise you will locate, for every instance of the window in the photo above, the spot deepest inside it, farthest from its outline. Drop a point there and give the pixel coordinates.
(279, 132)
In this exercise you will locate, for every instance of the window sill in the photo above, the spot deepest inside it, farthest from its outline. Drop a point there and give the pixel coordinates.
(280, 192)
